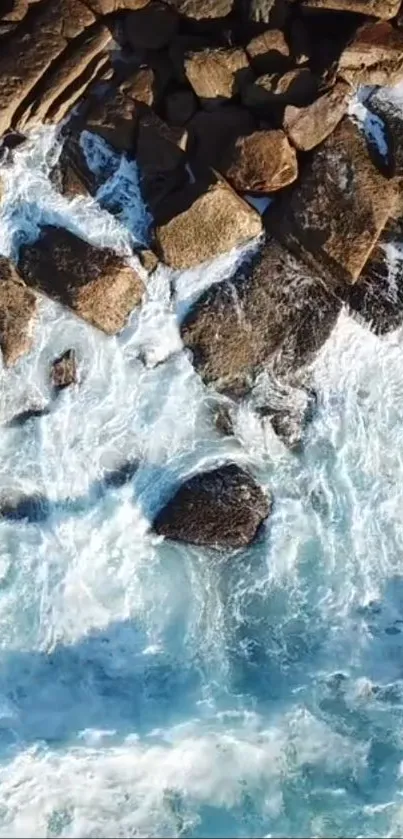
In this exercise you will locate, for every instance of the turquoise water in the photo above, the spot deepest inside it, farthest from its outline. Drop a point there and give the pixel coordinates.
(151, 689)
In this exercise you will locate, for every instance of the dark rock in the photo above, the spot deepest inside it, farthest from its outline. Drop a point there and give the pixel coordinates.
(64, 370)
(114, 118)
(161, 159)
(180, 106)
(204, 220)
(12, 140)
(390, 110)
(269, 52)
(261, 162)
(274, 314)
(23, 417)
(221, 509)
(17, 314)
(152, 27)
(296, 87)
(71, 174)
(223, 421)
(212, 132)
(374, 56)
(121, 475)
(94, 282)
(308, 127)
(217, 75)
(334, 216)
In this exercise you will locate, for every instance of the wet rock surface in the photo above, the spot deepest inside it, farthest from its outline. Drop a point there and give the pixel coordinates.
(64, 371)
(220, 509)
(17, 314)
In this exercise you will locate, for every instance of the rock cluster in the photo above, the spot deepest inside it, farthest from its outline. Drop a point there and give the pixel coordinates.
(219, 102)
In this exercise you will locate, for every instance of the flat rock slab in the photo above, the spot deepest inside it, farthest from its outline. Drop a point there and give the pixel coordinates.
(261, 162)
(274, 313)
(205, 220)
(17, 314)
(374, 56)
(340, 206)
(95, 283)
(373, 8)
(221, 509)
(308, 127)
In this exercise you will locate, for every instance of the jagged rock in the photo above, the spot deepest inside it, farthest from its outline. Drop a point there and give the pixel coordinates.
(71, 175)
(114, 118)
(217, 75)
(373, 8)
(275, 313)
(223, 421)
(211, 132)
(36, 46)
(296, 87)
(180, 106)
(17, 314)
(261, 162)
(221, 509)
(141, 85)
(23, 417)
(203, 9)
(269, 52)
(390, 109)
(204, 220)
(152, 27)
(64, 370)
(309, 126)
(334, 217)
(160, 158)
(374, 56)
(94, 282)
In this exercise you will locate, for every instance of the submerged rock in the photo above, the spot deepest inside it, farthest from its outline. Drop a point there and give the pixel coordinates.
(95, 283)
(64, 370)
(151, 27)
(212, 132)
(220, 509)
(17, 314)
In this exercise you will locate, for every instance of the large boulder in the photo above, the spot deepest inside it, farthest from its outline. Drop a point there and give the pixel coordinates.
(334, 216)
(95, 283)
(152, 27)
(275, 313)
(160, 156)
(373, 8)
(217, 75)
(308, 127)
(296, 87)
(261, 162)
(17, 314)
(71, 175)
(203, 221)
(212, 132)
(221, 509)
(374, 56)
(180, 105)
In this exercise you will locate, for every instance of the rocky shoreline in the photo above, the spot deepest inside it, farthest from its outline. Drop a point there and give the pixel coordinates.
(219, 102)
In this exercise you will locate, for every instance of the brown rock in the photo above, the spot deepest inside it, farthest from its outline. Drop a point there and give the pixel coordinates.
(94, 282)
(160, 158)
(335, 215)
(180, 105)
(152, 27)
(106, 7)
(114, 118)
(221, 509)
(307, 127)
(275, 313)
(261, 162)
(17, 314)
(296, 87)
(384, 104)
(373, 8)
(71, 175)
(205, 220)
(203, 9)
(64, 370)
(217, 75)
(211, 132)
(99, 69)
(374, 56)
(141, 85)
(269, 52)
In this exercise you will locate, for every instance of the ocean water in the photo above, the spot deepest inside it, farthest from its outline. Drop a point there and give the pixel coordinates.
(152, 689)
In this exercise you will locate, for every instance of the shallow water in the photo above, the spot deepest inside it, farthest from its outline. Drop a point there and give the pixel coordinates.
(154, 689)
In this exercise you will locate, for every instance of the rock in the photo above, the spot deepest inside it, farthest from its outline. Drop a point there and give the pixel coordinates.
(23, 417)
(223, 421)
(273, 314)
(71, 175)
(289, 413)
(94, 282)
(261, 162)
(148, 259)
(180, 106)
(203, 9)
(114, 118)
(308, 127)
(373, 8)
(160, 158)
(205, 220)
(335, 215)
(211, 132)
(221, 509)
(106, 7)
(217, 75)
(152, 27)
(141, 85)
(301, 46)
(374, 56)
(17, 314)
(296, 87)
(269, 52)
(389, 108)
(64, 370)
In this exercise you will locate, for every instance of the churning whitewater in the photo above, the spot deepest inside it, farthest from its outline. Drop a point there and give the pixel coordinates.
(149, 688)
